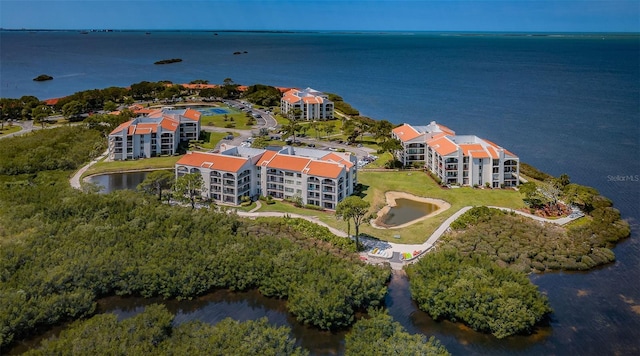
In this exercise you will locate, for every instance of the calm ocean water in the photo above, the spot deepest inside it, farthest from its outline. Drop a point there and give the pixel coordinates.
(565, 104)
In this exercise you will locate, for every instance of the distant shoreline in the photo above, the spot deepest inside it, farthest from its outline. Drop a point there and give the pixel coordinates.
(344, 32)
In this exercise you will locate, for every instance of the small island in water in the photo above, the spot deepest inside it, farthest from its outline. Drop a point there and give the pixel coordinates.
(168, 61)
(42, 78)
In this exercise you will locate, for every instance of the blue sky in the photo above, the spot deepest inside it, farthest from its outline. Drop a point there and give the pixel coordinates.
(372, 15)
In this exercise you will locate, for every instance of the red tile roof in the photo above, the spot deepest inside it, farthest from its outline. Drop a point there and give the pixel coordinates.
(192, 114)
(169, 124)
(288, 163)
(406, 132)
(266, 157)
(332, 157)
(466, 147)
(212, 161)
(324, 169)
(312, 100)
(52, 101)
(443, 145)
(146, 128)
(121, 127)
(446, 129)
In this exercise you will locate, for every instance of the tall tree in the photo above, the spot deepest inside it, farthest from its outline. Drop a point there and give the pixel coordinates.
(189, 186)
(110, 106)
(293, 126)
(382, 130)
(72, 110)
(156, 182)
(41, 114)
(355, 209)
(328, 129)
(392, 146)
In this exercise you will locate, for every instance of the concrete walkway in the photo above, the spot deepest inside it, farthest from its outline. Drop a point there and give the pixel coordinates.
(560, 221)
(75, 179)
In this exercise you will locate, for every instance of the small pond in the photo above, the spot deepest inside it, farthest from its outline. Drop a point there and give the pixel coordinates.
(406, 210)
(118, 181)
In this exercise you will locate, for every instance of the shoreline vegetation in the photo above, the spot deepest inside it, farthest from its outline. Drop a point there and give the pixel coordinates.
(86, 251)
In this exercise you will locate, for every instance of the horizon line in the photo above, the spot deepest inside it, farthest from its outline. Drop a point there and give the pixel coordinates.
(315, 31)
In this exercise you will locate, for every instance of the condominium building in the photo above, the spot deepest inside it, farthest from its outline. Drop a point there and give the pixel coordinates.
(457, 159)
(313, 105)
(317, 177)
(154, 133)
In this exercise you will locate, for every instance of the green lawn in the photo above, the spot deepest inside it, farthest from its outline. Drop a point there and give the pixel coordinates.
(10, 129)
(234, 119)
(417, 183)
(383, 158)
(211, 139)
(119, 166)
(420, 184)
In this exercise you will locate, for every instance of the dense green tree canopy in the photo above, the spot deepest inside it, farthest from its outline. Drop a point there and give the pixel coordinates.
(152, 333)
(59, 148)
(526, 245)
(380, 335)
(264, 95)
(474, 290)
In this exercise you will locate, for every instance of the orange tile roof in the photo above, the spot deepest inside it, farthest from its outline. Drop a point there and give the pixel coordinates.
(446, 129)
(197, 86)
(406, 132)
(474, 150)
(288, 163)
(135, 107)
(466, 147)
(192, 114)
(146, 128)
(290, 97)
(212, 161)
(437, 135)
(312, 100)
(332, 157)
(510, 154)
(52, 101)
(443, 145)
(324, 169)
(121, 127)
(143, 111)
(493, 152)
(266, 157)
(154, 113)
(169, 124)
(131, 130)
